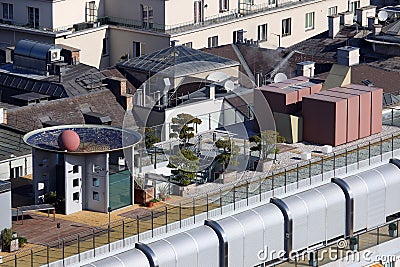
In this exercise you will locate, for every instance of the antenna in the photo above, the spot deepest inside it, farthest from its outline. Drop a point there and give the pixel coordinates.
(382, 15)
(279, 77)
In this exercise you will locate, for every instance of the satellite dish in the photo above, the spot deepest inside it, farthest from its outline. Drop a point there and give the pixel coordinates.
(217, 76)
(382, 15)
(229, 85)
(279, 77)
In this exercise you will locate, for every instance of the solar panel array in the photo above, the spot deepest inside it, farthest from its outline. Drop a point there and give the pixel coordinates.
(31, 85)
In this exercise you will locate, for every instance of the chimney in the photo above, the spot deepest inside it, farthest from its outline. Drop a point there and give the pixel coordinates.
(139, 97)
(371, 22)
(333, 25)
(116, 85)
(348, 56)
(212, 91)
(305, 68)
(3, 116)
(377, 29)
(346, 18)
(363, 14)
(60, 77)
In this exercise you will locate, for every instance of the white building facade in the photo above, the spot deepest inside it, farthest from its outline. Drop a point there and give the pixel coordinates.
(107, 31)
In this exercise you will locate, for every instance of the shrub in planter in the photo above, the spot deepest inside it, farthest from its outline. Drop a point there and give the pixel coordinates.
(153, 202)
(22, 241)
(6, 238)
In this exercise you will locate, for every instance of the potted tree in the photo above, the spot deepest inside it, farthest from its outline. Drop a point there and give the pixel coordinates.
(184, 160)
(228, 155)
(265, 144)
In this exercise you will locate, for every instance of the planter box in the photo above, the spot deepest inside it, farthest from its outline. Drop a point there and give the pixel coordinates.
(183, 191)
(143, 196)
(263, 165)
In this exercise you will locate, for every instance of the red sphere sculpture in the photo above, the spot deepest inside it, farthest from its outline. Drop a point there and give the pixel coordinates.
(69, 140)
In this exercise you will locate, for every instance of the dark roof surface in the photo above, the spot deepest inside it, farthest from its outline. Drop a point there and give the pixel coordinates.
(388, 80)
(165, 58)
(12, 144)
(79, 79)
(67, 110)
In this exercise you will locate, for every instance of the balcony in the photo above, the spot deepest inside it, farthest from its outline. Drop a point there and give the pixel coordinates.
(243, 11)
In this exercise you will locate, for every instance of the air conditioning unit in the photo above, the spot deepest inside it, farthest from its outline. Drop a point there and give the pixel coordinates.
(54, 55)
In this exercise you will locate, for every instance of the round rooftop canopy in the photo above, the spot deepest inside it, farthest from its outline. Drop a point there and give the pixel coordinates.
(89, 139)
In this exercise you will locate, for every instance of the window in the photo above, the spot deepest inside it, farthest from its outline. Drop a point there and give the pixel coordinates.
(16, 172)
(96, 182)
(75, 182)
(33, 17)
(198, 11)
(354, 5)
(137, 49)
(91, 11)
(262, 32)
(97, 168)
(271, 2)
(105, 47)
(188, 44)
(75, 169)
(332, 11)
(147, 16)
(75, 196)
(223, 5)
(96, 196)
(286, 27)
(213, 41)
(8, 11)
(309, 25)
(238, 36)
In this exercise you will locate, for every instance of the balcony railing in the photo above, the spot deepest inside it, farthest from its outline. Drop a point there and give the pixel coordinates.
(243, 11)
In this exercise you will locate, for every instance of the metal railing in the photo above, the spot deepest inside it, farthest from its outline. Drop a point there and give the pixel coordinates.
(167, 218)
(233, 14)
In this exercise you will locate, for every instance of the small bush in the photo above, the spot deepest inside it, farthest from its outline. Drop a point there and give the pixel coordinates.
(22, 241)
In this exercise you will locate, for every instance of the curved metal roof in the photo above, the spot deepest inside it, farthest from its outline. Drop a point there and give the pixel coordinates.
(123, 259)
(33, 49)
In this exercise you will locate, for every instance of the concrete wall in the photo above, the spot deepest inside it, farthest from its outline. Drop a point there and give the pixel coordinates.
(101, 161)
(90, 42)
(289, 126)
(44, 171)
(131, 9)
(53, 14)
(121, 42)
(69, 12)
(71, 162)
(21, 11)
